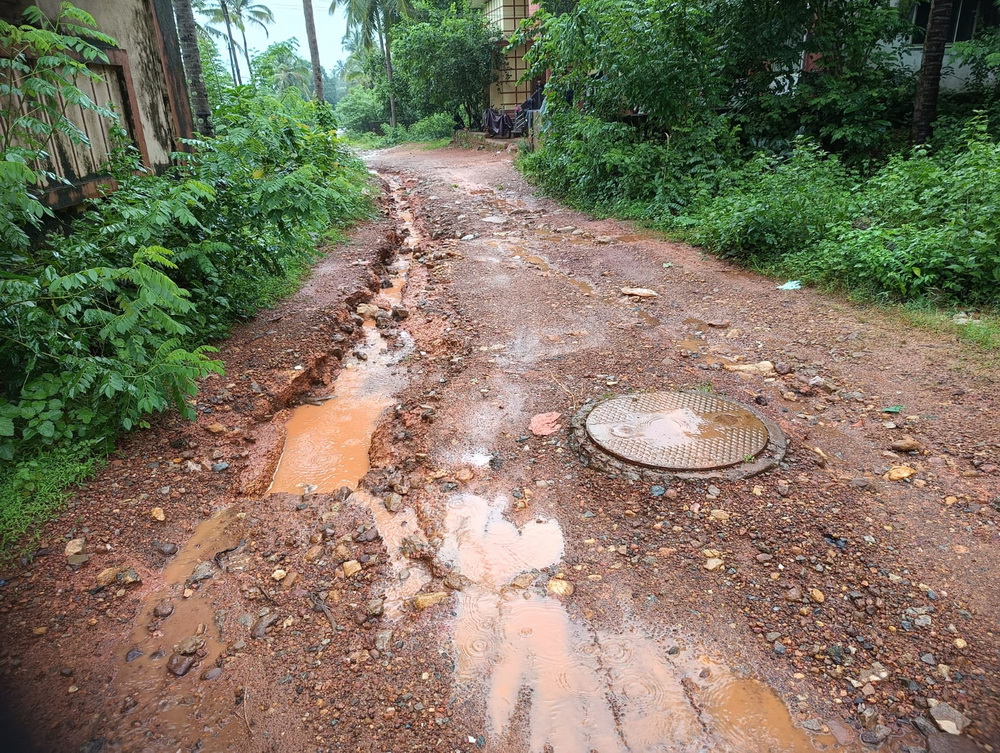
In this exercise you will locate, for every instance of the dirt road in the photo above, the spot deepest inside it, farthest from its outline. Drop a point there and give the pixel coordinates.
(221, 588)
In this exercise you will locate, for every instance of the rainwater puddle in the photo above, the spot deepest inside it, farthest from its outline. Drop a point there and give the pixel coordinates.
(624, 691)
(143, 678)
(395, 528)
(582, 285)
(326, 446)
(694, 342)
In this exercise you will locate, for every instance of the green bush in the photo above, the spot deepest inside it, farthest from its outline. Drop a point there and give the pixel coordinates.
(362, 110)
(608, 167)
(773, 206)
(927, 226)
(109, 321)
(431, 128)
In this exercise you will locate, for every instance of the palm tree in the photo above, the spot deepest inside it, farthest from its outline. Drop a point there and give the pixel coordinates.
(370, 22)
(238, 14)
(187, 35)
(929, 81)
(317, 69)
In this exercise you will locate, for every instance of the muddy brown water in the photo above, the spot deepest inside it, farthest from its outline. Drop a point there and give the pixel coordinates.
(143, 679)
(591, 690)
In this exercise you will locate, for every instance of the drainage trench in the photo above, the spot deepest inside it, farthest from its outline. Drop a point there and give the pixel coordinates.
(178, 628)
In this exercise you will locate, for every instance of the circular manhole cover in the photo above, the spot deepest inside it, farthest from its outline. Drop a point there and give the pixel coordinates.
(677, 431)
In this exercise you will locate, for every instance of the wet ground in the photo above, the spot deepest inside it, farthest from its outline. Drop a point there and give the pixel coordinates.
(360, 545)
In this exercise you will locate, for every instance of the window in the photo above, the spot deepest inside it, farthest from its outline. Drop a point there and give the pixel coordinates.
(967, 17)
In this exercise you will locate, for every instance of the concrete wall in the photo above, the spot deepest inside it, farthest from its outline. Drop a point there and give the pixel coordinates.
(137, 26)
(143, 80)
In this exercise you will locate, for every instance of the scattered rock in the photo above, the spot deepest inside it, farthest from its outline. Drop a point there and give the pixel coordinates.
(424, 600)
(351, 567)
(906, 443)
(180, 664)
(761, 367)
(816, 595)
(464, 474)
(720, 515)
(524, 580)
(216, 428)
(713, 563)
(899, 472)
(279, 575)
(107, 576)
(211, 674)
(947, 718)
(167, 548)
(793, 594)
(75, 546)
(259, 629)
(203, 571)
(158, 514)
(544, 424)
(189, 645)
(559, 587)
(456, 581)
(640, 292)
(128, 577)
(782, 368)
(164, 609)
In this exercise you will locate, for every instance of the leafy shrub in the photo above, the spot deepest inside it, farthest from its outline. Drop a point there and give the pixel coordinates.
(773, 205)
(431, 128)
(108, 322)
(607, 166)
(362, 110)
(928, 226)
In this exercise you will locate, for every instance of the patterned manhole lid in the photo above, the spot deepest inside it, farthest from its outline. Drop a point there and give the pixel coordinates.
(678, 431)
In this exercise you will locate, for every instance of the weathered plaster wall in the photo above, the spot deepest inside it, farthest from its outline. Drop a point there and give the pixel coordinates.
(131, 23)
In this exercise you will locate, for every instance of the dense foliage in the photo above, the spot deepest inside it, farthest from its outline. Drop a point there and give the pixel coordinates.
(107, 319)
(775, 134)
(443, 59)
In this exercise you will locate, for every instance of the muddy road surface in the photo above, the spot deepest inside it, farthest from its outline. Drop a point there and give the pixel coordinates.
(382, 533)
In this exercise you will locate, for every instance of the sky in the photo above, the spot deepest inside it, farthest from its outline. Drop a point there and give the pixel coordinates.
(289, 21)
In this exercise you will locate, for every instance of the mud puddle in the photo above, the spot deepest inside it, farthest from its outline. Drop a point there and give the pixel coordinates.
(544, 267)
(624, 691)
(177, 640)
(694, 344)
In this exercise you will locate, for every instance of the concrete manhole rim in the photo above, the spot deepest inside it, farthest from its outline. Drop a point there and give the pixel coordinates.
(594, 456)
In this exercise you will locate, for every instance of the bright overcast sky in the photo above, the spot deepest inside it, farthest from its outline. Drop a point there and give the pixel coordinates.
(290, 22)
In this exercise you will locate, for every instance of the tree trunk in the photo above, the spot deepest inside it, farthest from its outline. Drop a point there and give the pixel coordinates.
(187, 34)
(307, 8)
(246, 54)
(386, 42)
(929, 82)
(233, 59)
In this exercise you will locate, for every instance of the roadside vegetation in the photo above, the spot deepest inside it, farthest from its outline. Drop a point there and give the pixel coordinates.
(700, 119)
(107, 318)
(415, 71)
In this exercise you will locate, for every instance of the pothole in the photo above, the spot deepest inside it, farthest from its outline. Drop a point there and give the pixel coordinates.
(655, 436)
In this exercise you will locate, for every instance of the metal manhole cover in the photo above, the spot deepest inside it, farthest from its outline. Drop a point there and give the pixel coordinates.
(678, 431)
